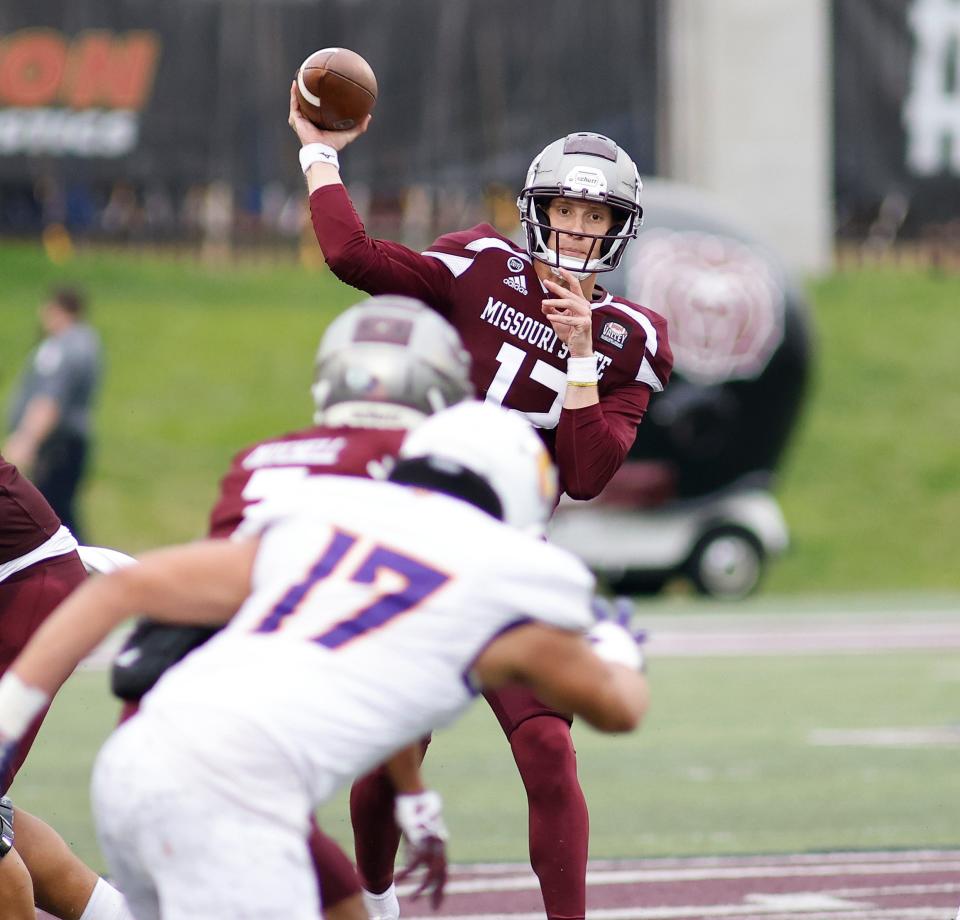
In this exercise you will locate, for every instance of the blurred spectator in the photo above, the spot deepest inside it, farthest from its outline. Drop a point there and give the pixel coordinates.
(81, 207)
(122, 212)
(217, 214)
(50, 192)
(416, 222)
(159, 212)
(50, 411)
(273, 199)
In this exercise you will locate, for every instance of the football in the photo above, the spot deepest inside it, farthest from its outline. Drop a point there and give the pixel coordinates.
(336, 88)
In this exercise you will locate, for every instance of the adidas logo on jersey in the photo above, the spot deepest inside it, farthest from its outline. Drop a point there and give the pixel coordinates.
(517, 282)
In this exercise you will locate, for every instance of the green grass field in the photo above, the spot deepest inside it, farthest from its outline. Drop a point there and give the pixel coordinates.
(724, 763)
(204, 360)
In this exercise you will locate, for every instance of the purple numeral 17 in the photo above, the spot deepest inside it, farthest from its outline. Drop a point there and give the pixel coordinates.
(420, 581)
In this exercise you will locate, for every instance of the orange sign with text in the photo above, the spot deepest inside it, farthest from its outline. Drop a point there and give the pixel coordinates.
(79, 96)
(44, 67)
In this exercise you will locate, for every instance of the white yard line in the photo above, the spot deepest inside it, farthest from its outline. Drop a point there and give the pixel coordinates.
(730, 911)
(635, 875)
(772, 633)
(763, 859)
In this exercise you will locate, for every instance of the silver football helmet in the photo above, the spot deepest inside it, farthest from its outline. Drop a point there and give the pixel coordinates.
(501, 448)
(388, 362)
(586, 166)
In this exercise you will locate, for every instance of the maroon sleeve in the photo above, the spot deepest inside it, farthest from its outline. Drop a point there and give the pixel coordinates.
(374, 266)
(227, 513)
(592, 442)
(26, 518)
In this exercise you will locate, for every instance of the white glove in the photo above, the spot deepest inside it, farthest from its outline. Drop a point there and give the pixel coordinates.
(611, 636)
(613, 643)
(420, 817)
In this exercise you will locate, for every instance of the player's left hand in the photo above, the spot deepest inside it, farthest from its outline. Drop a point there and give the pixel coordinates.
(612, 635)
(569, 313)
(420, 817)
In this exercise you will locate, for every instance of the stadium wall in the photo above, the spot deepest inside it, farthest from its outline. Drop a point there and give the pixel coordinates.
(814, 119)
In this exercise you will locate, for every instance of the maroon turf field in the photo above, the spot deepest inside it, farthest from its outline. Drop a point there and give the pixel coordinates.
(904, 885)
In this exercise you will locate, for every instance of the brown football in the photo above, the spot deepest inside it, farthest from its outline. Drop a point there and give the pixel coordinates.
(336, 88)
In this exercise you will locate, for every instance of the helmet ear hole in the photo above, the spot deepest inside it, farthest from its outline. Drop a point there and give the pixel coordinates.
(543, 218)
(540, 209)
(616, 231)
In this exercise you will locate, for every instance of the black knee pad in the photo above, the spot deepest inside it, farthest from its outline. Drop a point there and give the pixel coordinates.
(6, 826)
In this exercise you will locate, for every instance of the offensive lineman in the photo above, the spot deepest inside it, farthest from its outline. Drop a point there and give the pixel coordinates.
(544, 340)
(372, 612)
(382, 367)
(39, 567)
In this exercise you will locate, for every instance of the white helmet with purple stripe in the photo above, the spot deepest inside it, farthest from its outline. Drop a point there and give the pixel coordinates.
(492, 444)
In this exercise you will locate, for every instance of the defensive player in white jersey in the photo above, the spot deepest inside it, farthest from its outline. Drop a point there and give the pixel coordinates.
(382, 366)
(369, 614)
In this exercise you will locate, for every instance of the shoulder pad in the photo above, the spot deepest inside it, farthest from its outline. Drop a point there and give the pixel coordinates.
(459, 241)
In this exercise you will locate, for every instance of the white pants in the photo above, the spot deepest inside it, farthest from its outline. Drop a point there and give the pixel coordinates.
(179, 846)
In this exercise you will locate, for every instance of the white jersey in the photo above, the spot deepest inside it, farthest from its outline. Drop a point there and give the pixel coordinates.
(368, 608)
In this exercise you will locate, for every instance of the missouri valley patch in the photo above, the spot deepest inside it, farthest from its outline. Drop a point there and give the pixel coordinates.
(614, 334)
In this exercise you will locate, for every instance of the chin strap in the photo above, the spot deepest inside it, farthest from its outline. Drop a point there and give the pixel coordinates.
(578, 275)
(565, 263)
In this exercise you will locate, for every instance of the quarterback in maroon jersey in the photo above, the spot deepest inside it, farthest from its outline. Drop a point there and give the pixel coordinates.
(39, 567)
(548, 342)
(382, 367)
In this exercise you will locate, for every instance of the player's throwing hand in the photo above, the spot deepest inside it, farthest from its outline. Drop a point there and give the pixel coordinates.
(309, 133)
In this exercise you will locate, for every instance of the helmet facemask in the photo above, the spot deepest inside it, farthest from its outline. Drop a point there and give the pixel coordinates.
(604, 254)
(586, 167)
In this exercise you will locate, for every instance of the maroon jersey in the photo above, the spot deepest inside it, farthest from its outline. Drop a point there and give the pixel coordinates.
(26, 517)
(257, 471)
(487, 288)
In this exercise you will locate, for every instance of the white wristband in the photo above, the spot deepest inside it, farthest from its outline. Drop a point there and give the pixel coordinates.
(20, 704)
(582, 372)
(318, 153)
